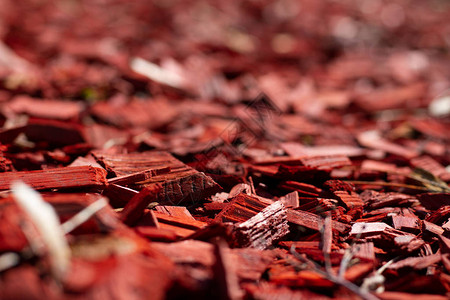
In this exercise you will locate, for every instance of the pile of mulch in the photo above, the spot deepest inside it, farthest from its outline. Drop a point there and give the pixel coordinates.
(227, 149)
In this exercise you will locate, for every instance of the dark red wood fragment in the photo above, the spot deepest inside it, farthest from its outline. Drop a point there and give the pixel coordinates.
(408, 224)
(70, 177)
(241, 208)
(263, 229)
(181, 184)
(135, 208)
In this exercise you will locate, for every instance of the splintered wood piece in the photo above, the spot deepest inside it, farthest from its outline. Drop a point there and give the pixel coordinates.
(189, 189)
(182, 184)
(350, 199)
(129, 163)
(312, 221)
(135, 208)
(58, 178)
(241, 208)
(263, 229)
(408, 224)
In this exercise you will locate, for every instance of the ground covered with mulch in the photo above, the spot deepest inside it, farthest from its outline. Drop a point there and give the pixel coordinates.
(229, 149)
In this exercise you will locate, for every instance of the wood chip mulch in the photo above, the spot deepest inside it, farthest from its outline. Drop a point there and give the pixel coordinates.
(225, 149)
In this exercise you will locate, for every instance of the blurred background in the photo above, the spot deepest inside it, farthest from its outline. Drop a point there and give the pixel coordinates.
(83, 49)
(190, 62)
